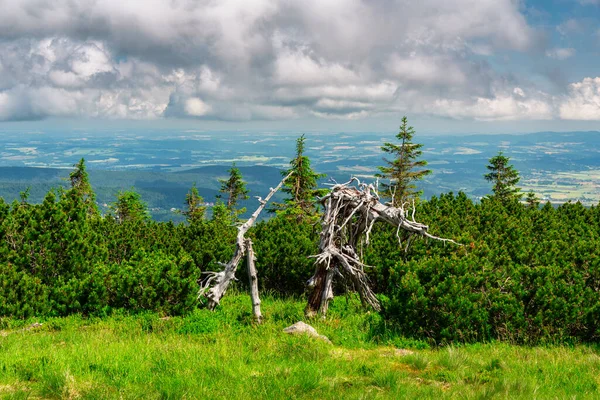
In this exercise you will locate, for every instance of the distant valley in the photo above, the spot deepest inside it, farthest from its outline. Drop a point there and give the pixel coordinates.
(162, 165)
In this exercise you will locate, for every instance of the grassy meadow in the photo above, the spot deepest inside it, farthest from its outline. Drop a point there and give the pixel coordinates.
(224, 355)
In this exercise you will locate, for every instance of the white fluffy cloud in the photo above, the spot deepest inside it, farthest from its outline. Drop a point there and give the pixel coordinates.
(583, 101)
(263, 59)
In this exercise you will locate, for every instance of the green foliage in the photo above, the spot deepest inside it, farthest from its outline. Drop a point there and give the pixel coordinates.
(504, 178)
(81, 187)
(209, 242)
(130, 207)
(300, 187)
(21, 296)
(154, 282)
(532, 200)
(234, 190)
(195, 209)
(222, 215)
(524, 275)
(404, 169)
(283, 247)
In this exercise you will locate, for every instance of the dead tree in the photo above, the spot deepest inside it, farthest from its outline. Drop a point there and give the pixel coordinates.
(350, 211)
(253, 279)
(216, 283)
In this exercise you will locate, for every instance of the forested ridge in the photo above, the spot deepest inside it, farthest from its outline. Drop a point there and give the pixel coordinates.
(525, 273)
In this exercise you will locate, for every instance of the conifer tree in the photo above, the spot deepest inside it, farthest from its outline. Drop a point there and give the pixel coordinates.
(195, 205)
(532, 200)
(234, 190)
(24, 196)
(221, 214)
(301, 186)
(504, 178)
(130, 207)
(404, 169)
(81, 187)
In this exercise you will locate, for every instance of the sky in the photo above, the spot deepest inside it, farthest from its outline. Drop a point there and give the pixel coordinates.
(451, 66)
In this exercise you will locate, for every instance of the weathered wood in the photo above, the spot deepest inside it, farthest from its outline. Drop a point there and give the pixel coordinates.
(349, 215)
(216, 283)
(253, 280)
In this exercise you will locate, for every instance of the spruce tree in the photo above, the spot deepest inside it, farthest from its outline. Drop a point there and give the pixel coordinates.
(130, 207)
(195, 205)
(301, 186)
(404, 169)
(532, 200)
(504, 178)
(234, 190)
(81, 187)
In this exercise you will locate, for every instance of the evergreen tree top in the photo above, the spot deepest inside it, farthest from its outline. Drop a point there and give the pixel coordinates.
(195, 210)
(234, 188)
(404, 169)
(302, 185)
(504, 177)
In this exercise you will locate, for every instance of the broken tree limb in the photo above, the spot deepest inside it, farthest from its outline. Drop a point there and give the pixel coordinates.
(216, 283)
(253, 280)
(350, 211)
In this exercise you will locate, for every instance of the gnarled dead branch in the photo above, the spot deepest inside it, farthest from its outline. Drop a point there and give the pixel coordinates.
(350, 210)
(215, 285)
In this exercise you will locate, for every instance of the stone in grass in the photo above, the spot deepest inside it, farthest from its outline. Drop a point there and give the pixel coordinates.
(302, 328)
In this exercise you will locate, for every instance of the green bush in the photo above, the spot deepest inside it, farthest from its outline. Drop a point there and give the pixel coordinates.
(21, 296)
(524, 275)
(283, 247)
(154, 282)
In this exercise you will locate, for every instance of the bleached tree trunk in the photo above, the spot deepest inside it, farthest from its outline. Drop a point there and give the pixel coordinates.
(349, 215)
(216, 284)
(253, 280)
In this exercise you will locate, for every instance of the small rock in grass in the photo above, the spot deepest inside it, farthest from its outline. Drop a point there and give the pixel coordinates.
(303, 328)
(403, 352)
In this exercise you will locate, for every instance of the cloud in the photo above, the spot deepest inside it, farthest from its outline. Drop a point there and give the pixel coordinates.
(195, 107)
(570, 26)
(428, 70)
(583, 101)
(501, 107)
(560, 53)
(265, 59)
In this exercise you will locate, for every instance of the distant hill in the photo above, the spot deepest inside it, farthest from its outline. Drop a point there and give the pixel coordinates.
(161, 166)
(161, 190)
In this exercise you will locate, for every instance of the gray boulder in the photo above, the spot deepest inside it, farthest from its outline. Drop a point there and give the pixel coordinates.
(301, 328)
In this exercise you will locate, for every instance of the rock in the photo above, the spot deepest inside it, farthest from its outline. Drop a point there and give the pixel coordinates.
(300, 328)
(404, 352)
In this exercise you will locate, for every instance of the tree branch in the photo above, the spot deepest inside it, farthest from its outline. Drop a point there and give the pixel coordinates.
(216, 285)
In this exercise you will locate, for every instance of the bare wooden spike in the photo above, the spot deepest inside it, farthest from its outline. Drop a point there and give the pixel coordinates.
(215, 286)
(253, 280)
(349, 213)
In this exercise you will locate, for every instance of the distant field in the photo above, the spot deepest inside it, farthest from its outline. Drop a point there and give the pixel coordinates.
(162, 165)
(223, 355)
(559, 187)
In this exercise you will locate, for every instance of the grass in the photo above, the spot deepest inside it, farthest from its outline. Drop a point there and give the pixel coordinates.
(224, 355)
